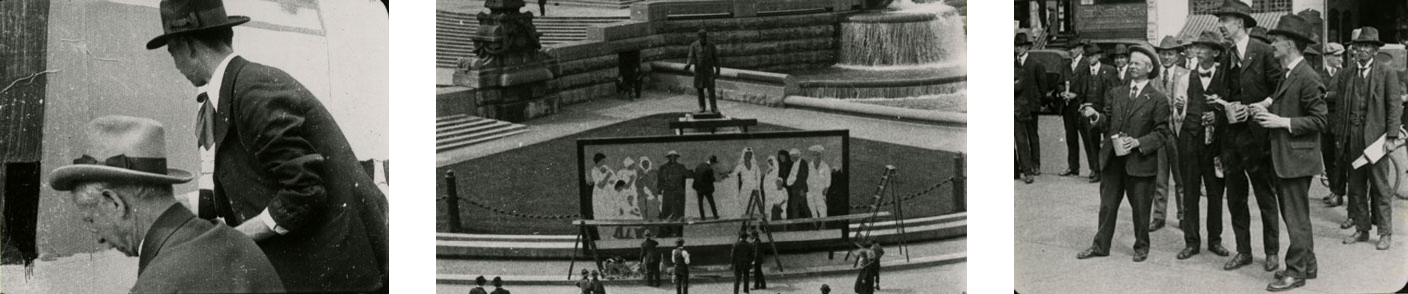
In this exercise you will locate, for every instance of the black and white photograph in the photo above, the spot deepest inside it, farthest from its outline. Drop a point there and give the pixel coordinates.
(774, 146)
(1209, 146)
(194, 146)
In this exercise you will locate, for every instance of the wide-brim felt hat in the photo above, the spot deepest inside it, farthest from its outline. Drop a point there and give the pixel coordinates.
(120, 149)
(1169, 43)
(1295, 27)
(1021, 39)
(1236, 8)
(1121, 49)
(1366, 35)
(1153, 58)
(1091, 49)
(191, 16)
(1211, 38)
(1259, 33)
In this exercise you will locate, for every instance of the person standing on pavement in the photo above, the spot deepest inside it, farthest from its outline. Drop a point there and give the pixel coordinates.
(680, 258)
(758, 281)
(1099, 79)
(671, 180)
(1245, 159)
(741, 257)
(1027, 102)
(1173, 82)
(1294, 117)
(479, 282)
(1334, 173)
(542, 7)
(597, 286)
(704, 186)
(499, 287)
(650, 258)
(585, 284)
(877, 253)
(1136, 116)
(865, 282)
(1200, 146)
(1073, 80)
(1370, 109)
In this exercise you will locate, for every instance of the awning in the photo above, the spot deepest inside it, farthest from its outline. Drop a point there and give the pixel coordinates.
(1198, 23)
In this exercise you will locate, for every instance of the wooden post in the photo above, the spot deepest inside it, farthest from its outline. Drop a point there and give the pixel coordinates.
(960, 183)
(452, 201)
(581, 230)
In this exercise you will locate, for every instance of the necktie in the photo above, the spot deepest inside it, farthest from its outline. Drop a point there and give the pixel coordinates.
(1236, 57)
(1364, 71)
(1167, 73)
(205, 122)
(1133, 92)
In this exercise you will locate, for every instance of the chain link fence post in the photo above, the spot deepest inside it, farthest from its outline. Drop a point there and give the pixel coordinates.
(452, 202)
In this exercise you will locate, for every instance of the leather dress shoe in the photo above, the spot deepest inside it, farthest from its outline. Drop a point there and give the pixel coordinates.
(1348, 223)
(1095, 178)
(1238, 261)
(1359, 236)
(1282, 274)
(1028, 179)
(1384, 241)
(1272, 263)
(1333, 201)
(1091, 252)
(1285, 283)
(1217, 249)
(1140, 256)
(1187, 252)
(1070, 173)
(1036, 171)
(1156, 225)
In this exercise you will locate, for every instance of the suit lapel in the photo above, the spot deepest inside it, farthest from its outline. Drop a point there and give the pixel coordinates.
(227, 85)
(1295, 75)
(162, 229)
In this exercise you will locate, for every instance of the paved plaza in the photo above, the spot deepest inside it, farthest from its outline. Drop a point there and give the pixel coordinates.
(1056, 218)
(943, 279)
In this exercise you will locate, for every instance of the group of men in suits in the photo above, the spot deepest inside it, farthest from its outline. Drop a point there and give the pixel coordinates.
(1226, 114)
(283, 204)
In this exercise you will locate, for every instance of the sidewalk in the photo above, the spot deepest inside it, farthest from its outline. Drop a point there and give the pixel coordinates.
(939, 279)
(601, 112)
(553, 8)
(1056, 219)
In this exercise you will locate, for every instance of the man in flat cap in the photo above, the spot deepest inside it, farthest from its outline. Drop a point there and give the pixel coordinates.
(1294, 118)
(1334, 177)
(122, 189)
(1370, 110)
(1136, 116)
(274, 162)
(1245, 160)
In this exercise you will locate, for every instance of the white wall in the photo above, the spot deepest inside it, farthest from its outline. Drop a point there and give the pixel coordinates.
(1166, 18)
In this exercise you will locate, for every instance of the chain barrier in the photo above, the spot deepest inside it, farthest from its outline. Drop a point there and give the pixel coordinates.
(907, 197)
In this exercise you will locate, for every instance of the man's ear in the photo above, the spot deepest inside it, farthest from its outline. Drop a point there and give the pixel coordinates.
(114, 202)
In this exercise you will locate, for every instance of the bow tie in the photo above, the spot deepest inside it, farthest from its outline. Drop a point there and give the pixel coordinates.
(1204, 74)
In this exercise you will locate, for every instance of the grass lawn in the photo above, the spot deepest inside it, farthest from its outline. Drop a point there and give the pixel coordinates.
(541, 179)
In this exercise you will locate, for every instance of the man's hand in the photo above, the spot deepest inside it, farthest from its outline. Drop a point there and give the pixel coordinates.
(1390, 144)
(1214, 98)
(1130, 143)
(1068, 95)
(1272, 121)
(256, 230)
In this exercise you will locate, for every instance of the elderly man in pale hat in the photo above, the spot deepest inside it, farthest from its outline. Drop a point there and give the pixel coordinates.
(1137, 119)
(1173, 82)
(288, 178)
(1370, 110)
(122, 189)
(1294, 118)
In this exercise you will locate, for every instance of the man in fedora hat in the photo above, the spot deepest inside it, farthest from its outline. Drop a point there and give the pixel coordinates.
(1173, 82)
(1088, 95)
(1370, 109)
(1199, 145)
(1333, 59)
(274, 162)
(670, 182)
(1069, 106)
(1245, 161)
(1137, 117)
(1121, 59)
(122, 188)
(1295, 117)
(1028, 101)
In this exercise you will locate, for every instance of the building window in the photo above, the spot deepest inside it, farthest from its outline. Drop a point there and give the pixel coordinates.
(1209, 6)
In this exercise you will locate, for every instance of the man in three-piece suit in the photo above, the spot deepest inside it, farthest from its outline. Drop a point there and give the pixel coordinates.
(122, 188)
(1368, 97)
(1294, 117)
(1092, 82)
(1199, 145)
(1073, 77)
(1027, 102)
(1255, 73)
(1137, 117)
(1173, 82)
(275, 162)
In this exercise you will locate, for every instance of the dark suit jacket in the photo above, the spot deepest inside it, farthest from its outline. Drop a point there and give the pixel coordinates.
(649, 252)
(1093, 88)
(1029, 99)
(185, 254)
(1145, 118)
(1258, 74)
(1383, 110)
(1197, 105)
(742, 254)
(704, 178)
(277, 147)
(1075, 78)
(1296, 152)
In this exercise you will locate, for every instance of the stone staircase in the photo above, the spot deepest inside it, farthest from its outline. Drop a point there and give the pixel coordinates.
(461, 130)
(612, 4)
(452, 31)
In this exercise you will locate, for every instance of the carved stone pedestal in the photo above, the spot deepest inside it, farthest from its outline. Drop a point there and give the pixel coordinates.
(509, 72)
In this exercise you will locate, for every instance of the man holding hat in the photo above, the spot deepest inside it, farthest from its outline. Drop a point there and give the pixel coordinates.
(1199, 145)
(1028, 102)
(274, 162)
(122, 188)
(1334, 61)
(670, 182)
(1090, 84)
(1137, 119)
(1173, 82)
(1244, 159)
(1294, 118)
(1370, 109)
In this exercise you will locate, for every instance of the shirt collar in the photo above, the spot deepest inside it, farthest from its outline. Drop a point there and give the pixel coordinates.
(1138, 86)
(1023, 58)
(1242, 45)
(212, 87)
(1293, 64)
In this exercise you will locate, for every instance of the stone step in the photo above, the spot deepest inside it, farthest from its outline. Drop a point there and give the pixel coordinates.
(506, 130)
(451, 117)
(464, 122)
(453, 132)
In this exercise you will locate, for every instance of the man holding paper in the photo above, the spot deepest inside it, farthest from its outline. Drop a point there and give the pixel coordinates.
(1367, 124)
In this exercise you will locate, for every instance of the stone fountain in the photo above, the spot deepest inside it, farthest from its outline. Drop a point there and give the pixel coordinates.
(509, 71)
